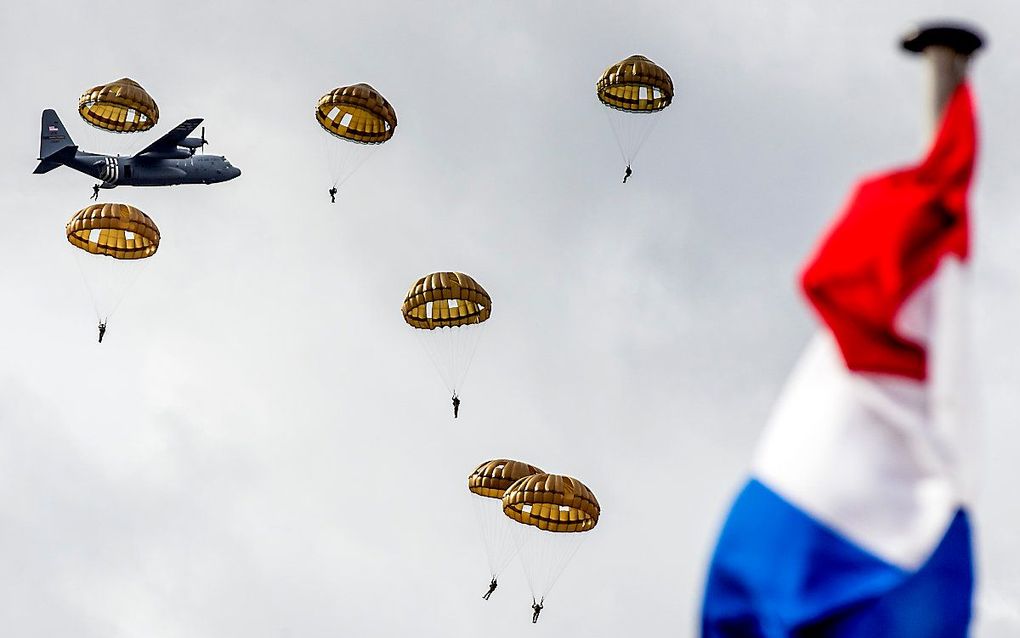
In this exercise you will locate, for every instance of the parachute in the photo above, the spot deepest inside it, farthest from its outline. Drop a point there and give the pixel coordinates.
(122, 106)
(634, 91)
(360, 119)
(446, 310)
(489, 481)
(114, 240)
(553, 509)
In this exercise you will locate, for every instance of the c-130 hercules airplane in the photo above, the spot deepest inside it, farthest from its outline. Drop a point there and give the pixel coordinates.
(168, 161)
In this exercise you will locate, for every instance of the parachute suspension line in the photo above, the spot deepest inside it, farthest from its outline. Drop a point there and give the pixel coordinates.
(565, 558)
(451, 350)
(465, 353)
(88, 287)
(452, 337)
(545, 556)
(423, 339)
(136, 271)
(97, 140)
(616, 136)
(108, 280)
(507, 538)
(333, 163)
(645, 131)
(344, 157)
(631, 130)
(329, 166)
(436, 343)
(487, 530)
(530, 559)
(499, 534)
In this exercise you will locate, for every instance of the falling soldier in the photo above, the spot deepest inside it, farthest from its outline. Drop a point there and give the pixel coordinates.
(102, 330)
(95, 192)
(456, 405)
(538, 609)
(627, 174)
(492, 588)
(332, 195)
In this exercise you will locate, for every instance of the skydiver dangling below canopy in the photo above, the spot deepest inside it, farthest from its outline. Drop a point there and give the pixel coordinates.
(634, 91)
(492, 588)
(538, 609)
(456, 405)
(102, 330)
(627, 174)
(332, 194)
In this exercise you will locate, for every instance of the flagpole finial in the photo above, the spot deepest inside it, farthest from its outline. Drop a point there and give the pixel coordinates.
(948, 47)
(962, 39)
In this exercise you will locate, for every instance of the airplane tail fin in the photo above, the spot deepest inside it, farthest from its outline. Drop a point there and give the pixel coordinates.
(55, 145)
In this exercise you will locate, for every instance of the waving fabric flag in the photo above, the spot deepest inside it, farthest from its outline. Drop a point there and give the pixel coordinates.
(854, 522)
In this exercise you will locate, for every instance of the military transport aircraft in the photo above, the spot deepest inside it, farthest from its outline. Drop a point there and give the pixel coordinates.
(168, 161)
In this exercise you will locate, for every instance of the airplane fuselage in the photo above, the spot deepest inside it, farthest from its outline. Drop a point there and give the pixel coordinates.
(115, 171)
(168, 161)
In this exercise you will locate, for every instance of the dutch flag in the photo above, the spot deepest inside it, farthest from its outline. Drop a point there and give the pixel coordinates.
(854, 522)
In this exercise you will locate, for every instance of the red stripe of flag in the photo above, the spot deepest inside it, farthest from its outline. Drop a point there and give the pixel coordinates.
(890, 238)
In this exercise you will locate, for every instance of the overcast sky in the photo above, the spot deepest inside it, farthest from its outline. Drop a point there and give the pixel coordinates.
(261, 449)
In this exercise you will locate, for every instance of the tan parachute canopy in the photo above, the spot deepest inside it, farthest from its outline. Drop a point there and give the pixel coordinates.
(552, 502)
(120, 231)
(357, 113)
(635, 84)
(490, 479)
(445, 299)
(122, 107)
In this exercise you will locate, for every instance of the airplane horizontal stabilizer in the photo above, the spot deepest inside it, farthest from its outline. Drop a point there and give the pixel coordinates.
(46, 166)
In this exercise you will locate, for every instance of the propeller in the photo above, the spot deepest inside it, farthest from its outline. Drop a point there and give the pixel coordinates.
(202, 145)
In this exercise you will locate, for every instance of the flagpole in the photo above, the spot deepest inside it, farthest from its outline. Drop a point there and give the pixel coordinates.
(948, 48)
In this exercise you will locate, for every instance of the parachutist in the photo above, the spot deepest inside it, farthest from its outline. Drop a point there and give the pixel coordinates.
(332, 195)
(95, 192)
(360, 119)
(634, 91)
(102, 330)
(627, 174)
(538, 609)
(456, 405)
(492, 588)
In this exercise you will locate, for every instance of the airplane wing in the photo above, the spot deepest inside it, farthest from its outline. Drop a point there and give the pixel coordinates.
(170, 141)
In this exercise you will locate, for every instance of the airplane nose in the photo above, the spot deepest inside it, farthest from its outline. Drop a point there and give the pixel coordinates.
(234, 172)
